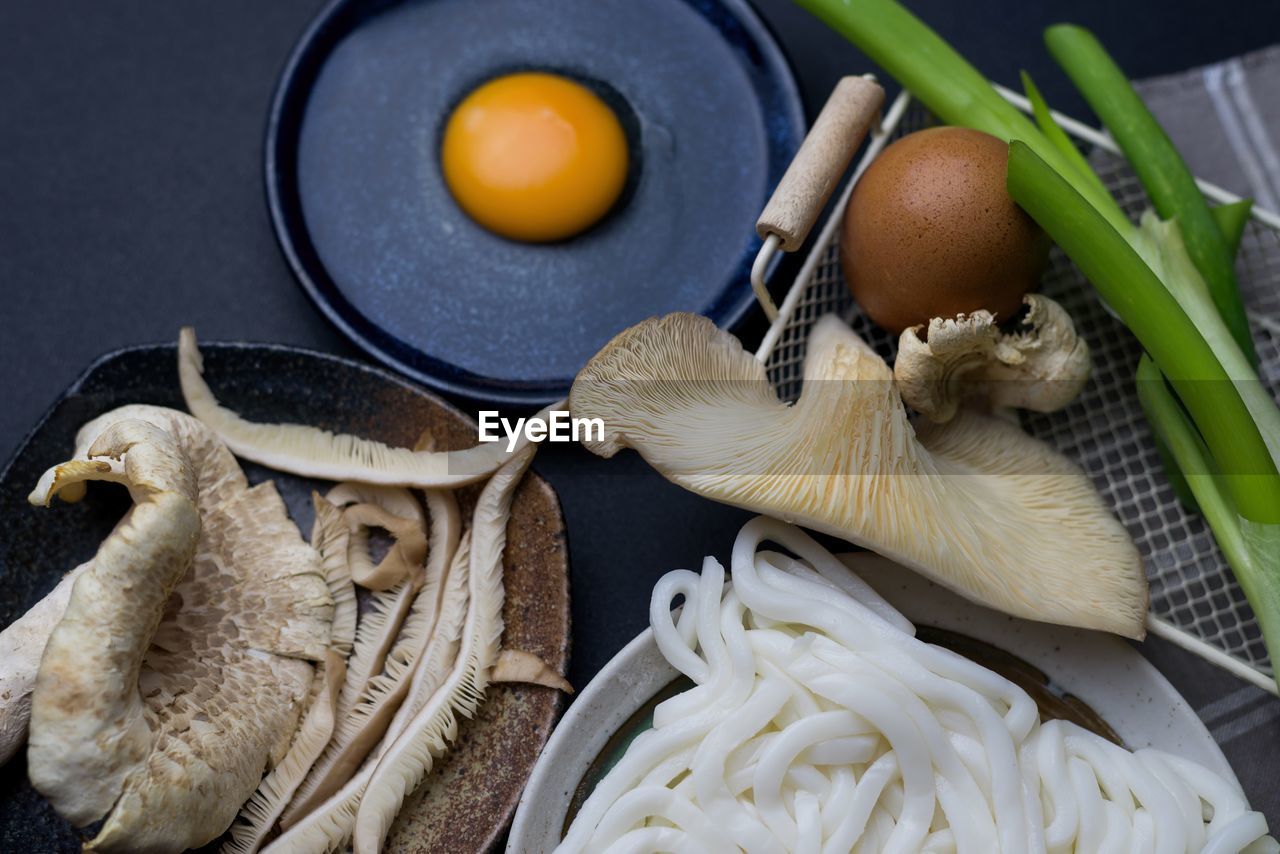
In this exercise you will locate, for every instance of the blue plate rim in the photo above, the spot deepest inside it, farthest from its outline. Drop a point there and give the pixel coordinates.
(288, 104)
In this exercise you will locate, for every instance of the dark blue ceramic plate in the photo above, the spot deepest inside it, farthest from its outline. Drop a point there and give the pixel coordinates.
(373, 235)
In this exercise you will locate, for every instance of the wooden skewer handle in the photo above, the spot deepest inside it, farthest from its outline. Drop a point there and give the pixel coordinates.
(844, 122)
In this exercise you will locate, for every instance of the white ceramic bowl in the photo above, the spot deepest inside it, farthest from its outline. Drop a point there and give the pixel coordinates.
(1103, 671)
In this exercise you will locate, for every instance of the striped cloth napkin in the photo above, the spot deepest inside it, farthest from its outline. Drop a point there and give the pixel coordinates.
(1225, 119)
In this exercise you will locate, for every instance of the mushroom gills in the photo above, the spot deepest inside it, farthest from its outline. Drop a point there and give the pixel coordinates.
(329, 824)
(259, 814)
(368, 714)
(975, 504)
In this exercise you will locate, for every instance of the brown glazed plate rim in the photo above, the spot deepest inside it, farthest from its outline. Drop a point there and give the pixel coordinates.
(466, 802)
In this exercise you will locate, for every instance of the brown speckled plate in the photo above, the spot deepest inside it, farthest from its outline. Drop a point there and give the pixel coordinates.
(467, 801)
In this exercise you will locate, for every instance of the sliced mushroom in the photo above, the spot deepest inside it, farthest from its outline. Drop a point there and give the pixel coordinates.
(514, 665)
(329, 537)
(328, 824)
(177, 674)
(427, 734)
(975, 504)
(312, 452)
(366, 721)
(396, 500)
(380, 622)
(21, 645)
(1042, 367)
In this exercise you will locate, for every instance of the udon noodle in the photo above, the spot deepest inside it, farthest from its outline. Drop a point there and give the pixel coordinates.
(819, 723)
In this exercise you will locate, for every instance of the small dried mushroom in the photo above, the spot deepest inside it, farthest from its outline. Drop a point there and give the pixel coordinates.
(1042, 366)
(515, 665)
(182, 663)
(450, 679)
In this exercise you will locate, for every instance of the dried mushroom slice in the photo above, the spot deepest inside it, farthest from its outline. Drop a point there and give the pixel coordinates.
(402, 561)
(376, 633)
(450, 679)
(328, 822)
(396, 500)
(394, 510)
(516, 665)
(369, 713)
(178, 673)
(426, 736)
(330, 537)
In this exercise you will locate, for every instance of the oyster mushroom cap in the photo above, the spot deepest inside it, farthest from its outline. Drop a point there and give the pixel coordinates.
(1042, 366)
(329, 537)
(177, 675)
(975, 504)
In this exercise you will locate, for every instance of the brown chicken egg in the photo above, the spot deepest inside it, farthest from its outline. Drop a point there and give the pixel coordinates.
(930, 231)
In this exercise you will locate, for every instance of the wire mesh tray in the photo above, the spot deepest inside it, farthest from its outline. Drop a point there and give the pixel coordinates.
(1195, 600)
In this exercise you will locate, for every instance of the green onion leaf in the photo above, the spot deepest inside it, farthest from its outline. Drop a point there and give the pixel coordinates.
(1160, 323)
(1232, 219)
(1056, 135)
(1252, 549)
(1163, 173)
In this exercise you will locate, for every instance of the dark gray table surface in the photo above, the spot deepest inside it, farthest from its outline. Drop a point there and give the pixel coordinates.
(131, 203)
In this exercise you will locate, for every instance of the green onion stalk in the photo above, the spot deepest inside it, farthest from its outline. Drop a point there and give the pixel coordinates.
(1170, 277)
(1160, 168)
(1250, 548)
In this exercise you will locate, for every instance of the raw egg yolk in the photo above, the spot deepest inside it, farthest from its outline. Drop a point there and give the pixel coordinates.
(534, 156)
